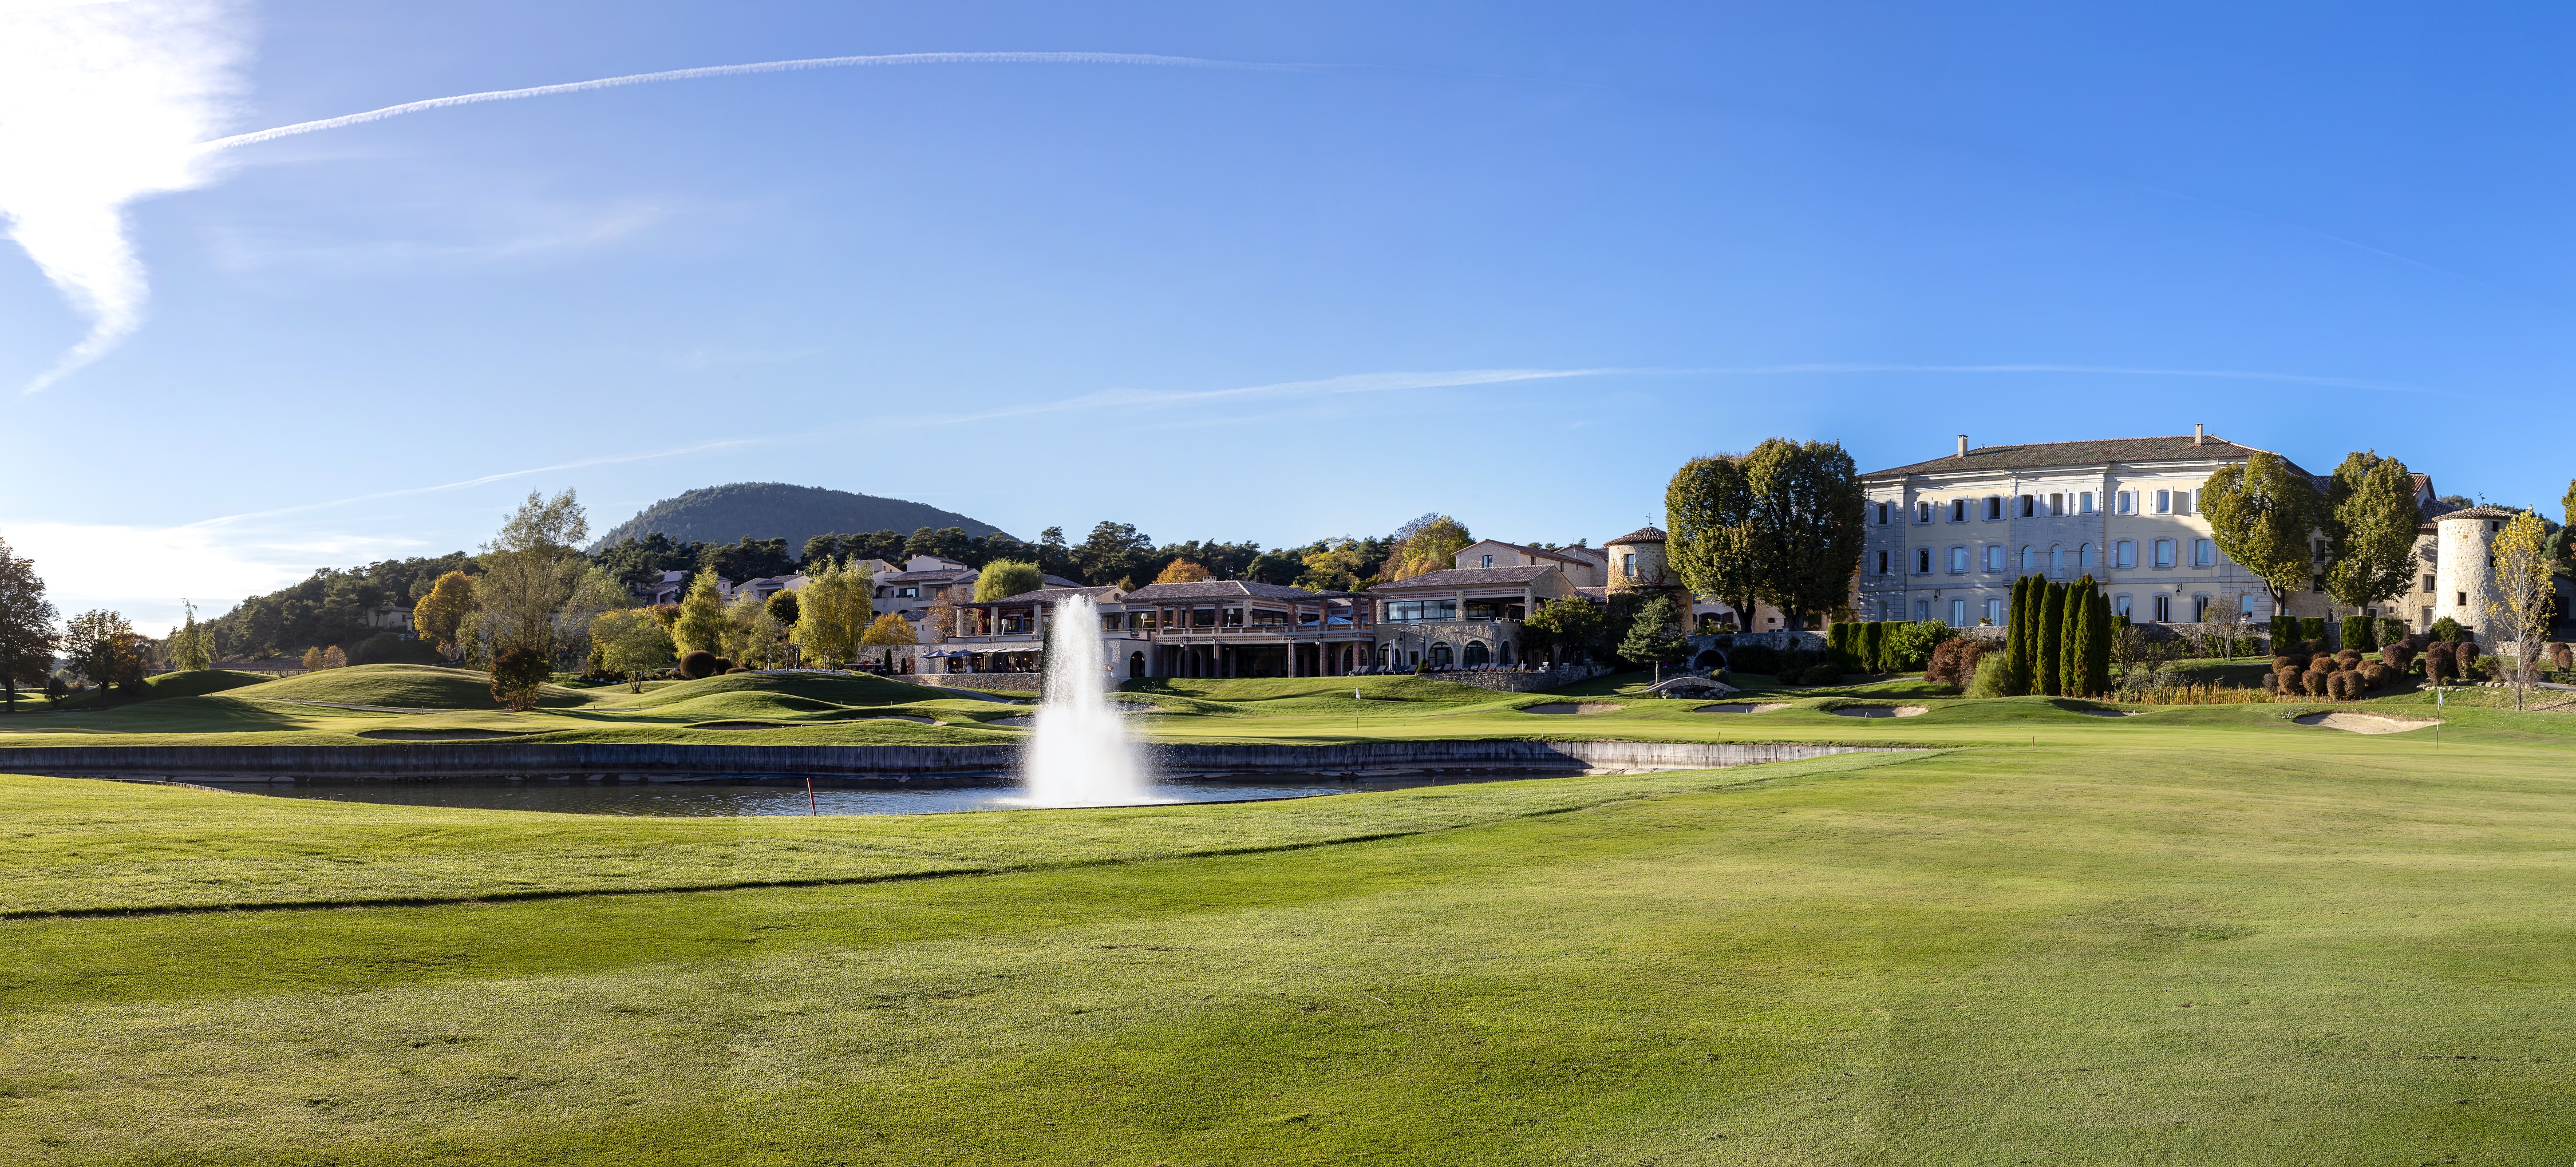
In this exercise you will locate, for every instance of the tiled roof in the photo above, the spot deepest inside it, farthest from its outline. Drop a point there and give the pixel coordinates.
(1471, 577)
(2479, 512)
(1217, 589)
(2044, 455)
(1564, 553)
(1640, 535)
(940, 576)
(1057, 595)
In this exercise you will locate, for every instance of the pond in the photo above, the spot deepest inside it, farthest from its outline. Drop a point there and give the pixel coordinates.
(772, 796)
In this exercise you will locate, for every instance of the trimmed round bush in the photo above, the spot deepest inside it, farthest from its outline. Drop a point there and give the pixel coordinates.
(2396, 656)
(2349, 658)
(698, 664)
(2313, 682)
(2271, 682)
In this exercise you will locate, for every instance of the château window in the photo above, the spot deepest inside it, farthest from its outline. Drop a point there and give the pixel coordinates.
(1923, 561)
(1958, 560)
(2199, 609)
(1882, 563)
(2057, 504)
(2164, 608)
(1882, 514)
(2164, 502)
(2057, 562)
(2204, 553)
(1923, 512)
(1958, 510)
(2084, 558)
(2164, 553)
(2029, 560)
(2428, 585)
(2124, 553)
(2085, 502)
(1994, 507)
(2028, 501)
(2120, 605)
(2127, 502)
(1994, 557)
(1958, 613)
(1489, 561)
(1995, 612)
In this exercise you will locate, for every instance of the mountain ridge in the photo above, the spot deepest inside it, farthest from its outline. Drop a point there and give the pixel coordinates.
(779, 510)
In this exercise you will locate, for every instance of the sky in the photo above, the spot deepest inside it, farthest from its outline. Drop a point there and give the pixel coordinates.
(1344, 265)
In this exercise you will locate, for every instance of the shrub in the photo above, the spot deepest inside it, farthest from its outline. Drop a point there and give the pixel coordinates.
(2312, 628)
(2439, 663)
(2360, 633)
(2285, 629)
(2374, 675)
(1754, 658)
(698, 664)
(333, 658)
(2397, 656)
(2272, 682)
(2348, 659)
(1954, 661)
(2446, 630)
(2339, 686)
(1993, 668)
(2561, 657)
(1909, 645)
(1821, 674)
(516, 673)
(726, 665)
(1873, 646)
(2466, 653)
(2391, 630)
(2314, 682)
(2322, 661)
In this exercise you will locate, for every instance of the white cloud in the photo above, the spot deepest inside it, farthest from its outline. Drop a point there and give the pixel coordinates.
(144, 572)
(103, 103)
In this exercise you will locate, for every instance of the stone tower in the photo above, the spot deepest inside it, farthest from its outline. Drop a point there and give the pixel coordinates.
(1637, 562)
(2464, 563)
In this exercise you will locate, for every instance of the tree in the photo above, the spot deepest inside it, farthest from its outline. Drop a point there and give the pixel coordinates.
(335, 658)
(1425, 545)
(1334, 568)
(887, 629)
(2262, 512)
(2370, 524)
(2049, 641)
(530, 570)
(27, 635)
(632, 642)
(783, 607)
(1708, 506)
(437, 614)
(192, 645)
(751, 639)
(2021, 643)
(946, 543)
(638, 564)
(1003, 578)
(1115, 551)
(517, 675)
(2078, 643)
(1562, 628)
(1806, 525)
(833, 613)
(594, 590)
(104, 650)
(1656, 636)
(748, 559)
(312, 660)
(2519, 612)
(700, 627)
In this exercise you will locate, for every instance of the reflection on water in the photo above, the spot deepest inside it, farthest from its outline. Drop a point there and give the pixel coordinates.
(771, 797)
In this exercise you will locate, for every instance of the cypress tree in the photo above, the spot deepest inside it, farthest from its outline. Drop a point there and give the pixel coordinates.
(2052, 639)
(2097, 670)
(1873, 645)
(2076, 645)
(2017, 675)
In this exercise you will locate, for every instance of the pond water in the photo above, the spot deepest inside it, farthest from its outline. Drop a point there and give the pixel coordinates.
(716, 798)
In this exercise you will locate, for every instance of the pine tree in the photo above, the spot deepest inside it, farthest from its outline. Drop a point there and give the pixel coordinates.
(2016, 640)
(2097, 669)
(2075, 643)
(1873, 645)
(2052, 637)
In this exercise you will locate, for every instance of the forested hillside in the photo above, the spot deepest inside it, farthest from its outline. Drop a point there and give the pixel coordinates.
(777, 510)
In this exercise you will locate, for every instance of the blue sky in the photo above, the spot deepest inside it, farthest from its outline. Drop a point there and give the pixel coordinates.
(1511, 263)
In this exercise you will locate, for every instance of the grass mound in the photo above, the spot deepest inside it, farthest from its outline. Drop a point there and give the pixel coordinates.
(1321, 693)
(198, 683)
(403, 687)
(821, 689)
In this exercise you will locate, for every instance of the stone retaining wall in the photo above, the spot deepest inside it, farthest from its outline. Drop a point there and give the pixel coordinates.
(425, 761)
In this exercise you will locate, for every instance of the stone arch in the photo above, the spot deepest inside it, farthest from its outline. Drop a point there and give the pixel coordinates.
(1440, 654)
(1135, 665)
(1476, 654)
(1709, 658)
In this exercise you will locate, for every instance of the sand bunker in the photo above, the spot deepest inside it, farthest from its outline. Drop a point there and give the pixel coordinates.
(1743, 707)
(1573, 707)
(438, 735)
(1882, 711)
(2364, 722)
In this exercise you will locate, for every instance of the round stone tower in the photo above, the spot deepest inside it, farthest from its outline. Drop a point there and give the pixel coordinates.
(1637, 562)
(2464, 563)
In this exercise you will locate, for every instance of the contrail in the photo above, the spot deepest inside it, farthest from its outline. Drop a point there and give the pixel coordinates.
(376, 115)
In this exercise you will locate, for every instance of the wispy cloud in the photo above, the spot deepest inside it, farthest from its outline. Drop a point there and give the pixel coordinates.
(481, 480)
(377, 115)
(144, 571)
(2105, 370)
(102, 104)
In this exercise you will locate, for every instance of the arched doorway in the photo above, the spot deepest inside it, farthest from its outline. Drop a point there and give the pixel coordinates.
(1507, 652)
(1135, 665)
(1440, 655)
(1709, 659)
(1476, 654)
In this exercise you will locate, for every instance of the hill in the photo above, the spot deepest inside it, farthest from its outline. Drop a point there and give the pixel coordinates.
(776, 510)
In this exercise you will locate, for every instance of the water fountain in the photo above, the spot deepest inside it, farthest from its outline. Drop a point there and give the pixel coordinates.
(1080, 754)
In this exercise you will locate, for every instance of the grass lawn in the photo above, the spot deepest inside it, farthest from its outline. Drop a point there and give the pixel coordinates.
(2199, 935)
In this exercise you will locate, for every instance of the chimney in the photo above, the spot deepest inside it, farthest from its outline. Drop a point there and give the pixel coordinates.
(1963, 445)
(2199, 433)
